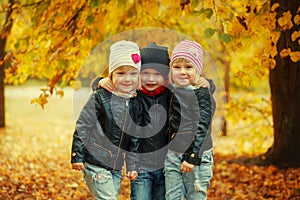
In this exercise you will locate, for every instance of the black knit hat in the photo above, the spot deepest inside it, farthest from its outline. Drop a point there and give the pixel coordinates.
(156, 57)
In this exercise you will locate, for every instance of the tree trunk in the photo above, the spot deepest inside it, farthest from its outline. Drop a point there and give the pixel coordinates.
(2, 100)
(285, 95)
(4, 33)
(227, 88)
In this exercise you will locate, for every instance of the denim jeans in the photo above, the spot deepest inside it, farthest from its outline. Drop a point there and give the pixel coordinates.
(149, 185)
(191, 185)
(102, 183)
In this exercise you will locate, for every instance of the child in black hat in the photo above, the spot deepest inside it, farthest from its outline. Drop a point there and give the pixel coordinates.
(154, 97)
(153, 145)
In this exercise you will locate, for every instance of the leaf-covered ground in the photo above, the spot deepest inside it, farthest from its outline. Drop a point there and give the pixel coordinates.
(35, 153)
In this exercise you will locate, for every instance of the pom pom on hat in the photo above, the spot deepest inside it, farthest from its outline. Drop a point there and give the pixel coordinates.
(191, 51)
(124, 53)
(156, 57)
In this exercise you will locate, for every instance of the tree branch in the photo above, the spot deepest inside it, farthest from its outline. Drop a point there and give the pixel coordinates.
(6, 29)
(71, 23)
(34, 3)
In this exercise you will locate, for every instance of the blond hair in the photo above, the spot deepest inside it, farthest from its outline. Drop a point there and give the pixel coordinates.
(177, 60)
(127, 68)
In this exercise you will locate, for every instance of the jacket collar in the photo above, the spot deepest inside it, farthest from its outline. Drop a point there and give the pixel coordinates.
(159, 90)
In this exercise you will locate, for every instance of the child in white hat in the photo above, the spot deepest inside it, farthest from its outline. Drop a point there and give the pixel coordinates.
(107, 126)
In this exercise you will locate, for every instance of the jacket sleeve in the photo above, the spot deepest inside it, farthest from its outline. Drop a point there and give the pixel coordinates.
(84, 124)
(212, 87)
(77, 154)
(203, 111)
(95, 83)
(133, 155)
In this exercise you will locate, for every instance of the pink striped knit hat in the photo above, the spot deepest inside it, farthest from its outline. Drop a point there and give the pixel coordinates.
(189, 50)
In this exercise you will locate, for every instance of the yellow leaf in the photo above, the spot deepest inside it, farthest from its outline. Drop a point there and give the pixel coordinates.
(240, 74)
(285, 52)
(275, 36)
(297, 19)
(295, 56)
(269, 20)
(60, 93)
(274, 6)
(268, 62)
(76, 85)
(48, 43)
(44, 90)
(7, 56)
(35, 100)
(295, 35)
(273, 51)
(246, 80)
(285, 21)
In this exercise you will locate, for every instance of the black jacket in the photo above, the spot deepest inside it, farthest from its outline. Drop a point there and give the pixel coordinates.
(189, 121)
(106, 131)
(208, 143)
(153, 144)
(154, 134)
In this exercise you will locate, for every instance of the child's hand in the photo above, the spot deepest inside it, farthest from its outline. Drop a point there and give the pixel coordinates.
(78, 166)
(186, 167)
(132, 175)
(106, 84)
(202, 82)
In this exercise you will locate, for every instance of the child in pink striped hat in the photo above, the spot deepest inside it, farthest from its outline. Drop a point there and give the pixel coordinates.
(186, 55)
(189, 161)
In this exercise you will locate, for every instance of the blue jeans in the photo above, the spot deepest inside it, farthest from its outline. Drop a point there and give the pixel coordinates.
(102, 183)
(191, 185)
(148, 186)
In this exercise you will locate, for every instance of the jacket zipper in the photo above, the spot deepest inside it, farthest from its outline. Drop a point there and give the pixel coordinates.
(169, 135)
(179, 133)
(184, 132)
(121, 139)
(105, 149)
(155, 153)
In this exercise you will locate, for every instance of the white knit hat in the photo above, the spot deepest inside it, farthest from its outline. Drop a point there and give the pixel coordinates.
(124, 53)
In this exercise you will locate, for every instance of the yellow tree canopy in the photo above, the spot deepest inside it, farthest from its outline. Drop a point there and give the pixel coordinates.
(50, 39)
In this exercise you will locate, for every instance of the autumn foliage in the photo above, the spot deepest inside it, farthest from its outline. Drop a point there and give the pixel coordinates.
(51, 41)
(45, 44)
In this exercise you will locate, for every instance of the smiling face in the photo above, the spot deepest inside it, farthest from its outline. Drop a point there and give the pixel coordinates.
(151, 79)
(125, 79)
(183, 73)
